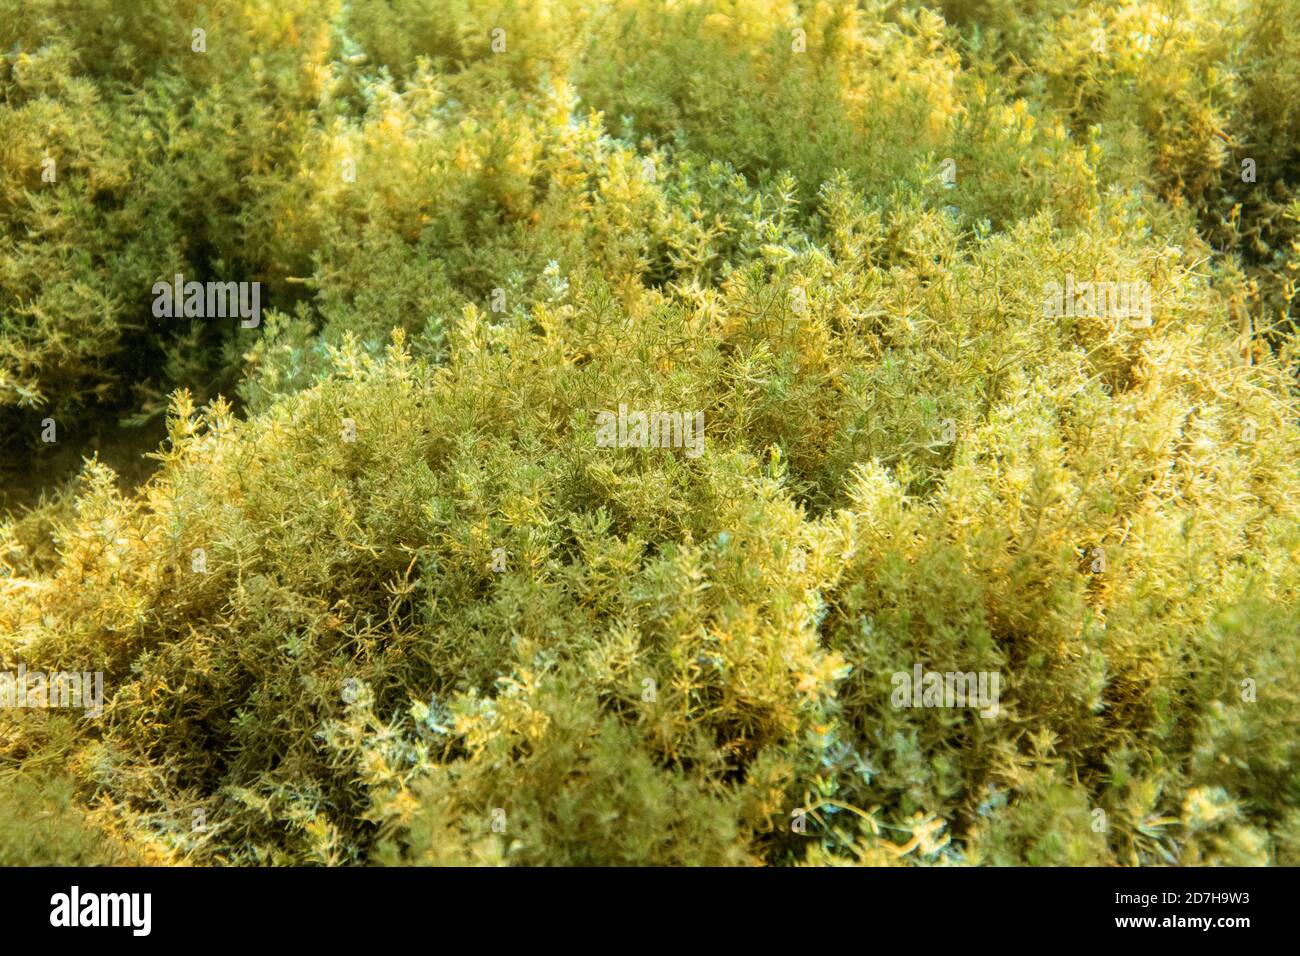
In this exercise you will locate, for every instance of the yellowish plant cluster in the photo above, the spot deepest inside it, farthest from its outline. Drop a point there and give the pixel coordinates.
(387, 598)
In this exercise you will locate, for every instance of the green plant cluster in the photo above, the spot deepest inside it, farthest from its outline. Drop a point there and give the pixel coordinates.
(389, 601)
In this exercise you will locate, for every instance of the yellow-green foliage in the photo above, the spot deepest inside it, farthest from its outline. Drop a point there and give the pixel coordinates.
(127, 158)
(434, 622)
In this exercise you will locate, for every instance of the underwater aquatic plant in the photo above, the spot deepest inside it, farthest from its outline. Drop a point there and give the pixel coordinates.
(450, 572)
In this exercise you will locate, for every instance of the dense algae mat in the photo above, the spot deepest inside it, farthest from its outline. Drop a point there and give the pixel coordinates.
(396, 599)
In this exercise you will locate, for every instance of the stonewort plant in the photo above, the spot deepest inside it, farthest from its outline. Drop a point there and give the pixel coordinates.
(390, 595)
